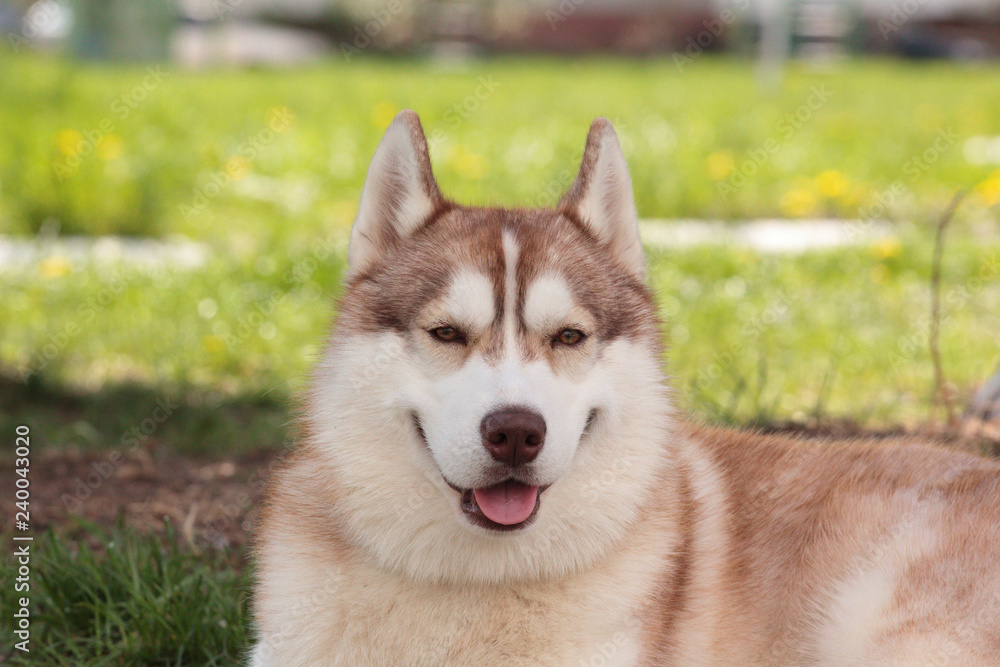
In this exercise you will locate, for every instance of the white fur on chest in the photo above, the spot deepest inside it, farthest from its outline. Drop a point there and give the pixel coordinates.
(364, 616)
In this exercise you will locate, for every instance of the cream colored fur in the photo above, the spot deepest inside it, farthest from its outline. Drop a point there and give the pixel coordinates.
(656, 543)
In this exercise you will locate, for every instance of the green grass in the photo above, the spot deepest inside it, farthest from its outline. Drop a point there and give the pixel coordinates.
(87, 351)
(508, 130)
(138, 600)
(828, 335)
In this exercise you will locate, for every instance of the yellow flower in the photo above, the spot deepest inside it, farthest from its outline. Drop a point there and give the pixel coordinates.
(719, 165)
(68, 141)
(212, 344)
(797, 203)
(238, 166)
(989, 190)
(383, 113)
(886, 248)
(470, 165)
(54, 267)
(879, 274)
(832, 184)
(109, 147)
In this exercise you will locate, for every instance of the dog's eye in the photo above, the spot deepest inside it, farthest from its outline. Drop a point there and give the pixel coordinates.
(447, 334)
(569, 337)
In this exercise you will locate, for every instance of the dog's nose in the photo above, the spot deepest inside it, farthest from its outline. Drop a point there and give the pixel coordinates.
(513, 435)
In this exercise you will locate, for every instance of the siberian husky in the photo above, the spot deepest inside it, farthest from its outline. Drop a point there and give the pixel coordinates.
(493, 472)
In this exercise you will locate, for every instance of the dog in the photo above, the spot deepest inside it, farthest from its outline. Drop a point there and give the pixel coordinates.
(492, 471)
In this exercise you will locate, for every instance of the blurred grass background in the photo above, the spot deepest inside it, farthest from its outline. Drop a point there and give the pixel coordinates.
(264, 168)
(502, 131)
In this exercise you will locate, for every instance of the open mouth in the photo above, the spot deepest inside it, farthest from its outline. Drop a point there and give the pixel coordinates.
(506, 506)
(509, 505)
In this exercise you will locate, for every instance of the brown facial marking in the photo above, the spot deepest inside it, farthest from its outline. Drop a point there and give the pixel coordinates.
(621, 304)
(416, 271)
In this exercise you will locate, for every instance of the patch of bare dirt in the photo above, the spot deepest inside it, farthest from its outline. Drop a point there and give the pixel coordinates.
(210, 503)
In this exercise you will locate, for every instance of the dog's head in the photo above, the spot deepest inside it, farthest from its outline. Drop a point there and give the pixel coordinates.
(494, 383)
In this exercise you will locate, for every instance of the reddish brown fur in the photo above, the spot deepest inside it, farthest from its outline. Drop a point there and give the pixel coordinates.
(414, 271)
(747, 536)
(802, 512)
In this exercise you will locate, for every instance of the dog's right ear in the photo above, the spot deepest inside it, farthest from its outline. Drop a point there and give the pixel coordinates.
(399, 193)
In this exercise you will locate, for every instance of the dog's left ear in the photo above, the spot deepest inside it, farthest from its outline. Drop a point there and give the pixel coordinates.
(601, 197)
(400, 192)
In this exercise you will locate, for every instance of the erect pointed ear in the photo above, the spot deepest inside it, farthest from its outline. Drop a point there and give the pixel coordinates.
(399, 193)
(601, 197)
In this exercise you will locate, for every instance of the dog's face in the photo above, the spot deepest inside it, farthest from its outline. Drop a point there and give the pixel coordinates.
(507, 337)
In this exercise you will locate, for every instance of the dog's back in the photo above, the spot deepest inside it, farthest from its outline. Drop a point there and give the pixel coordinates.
(843, 553)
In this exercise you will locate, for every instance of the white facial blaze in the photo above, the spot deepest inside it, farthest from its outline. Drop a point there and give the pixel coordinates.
(548, 304)
(468, 303)
(511, 254)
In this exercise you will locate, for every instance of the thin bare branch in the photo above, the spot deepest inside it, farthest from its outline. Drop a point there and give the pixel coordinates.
(941, 396)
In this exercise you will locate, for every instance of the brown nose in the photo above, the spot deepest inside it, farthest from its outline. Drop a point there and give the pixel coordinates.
(513, 435)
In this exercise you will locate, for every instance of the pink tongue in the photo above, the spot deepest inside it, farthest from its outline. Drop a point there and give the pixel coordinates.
(507, 503)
